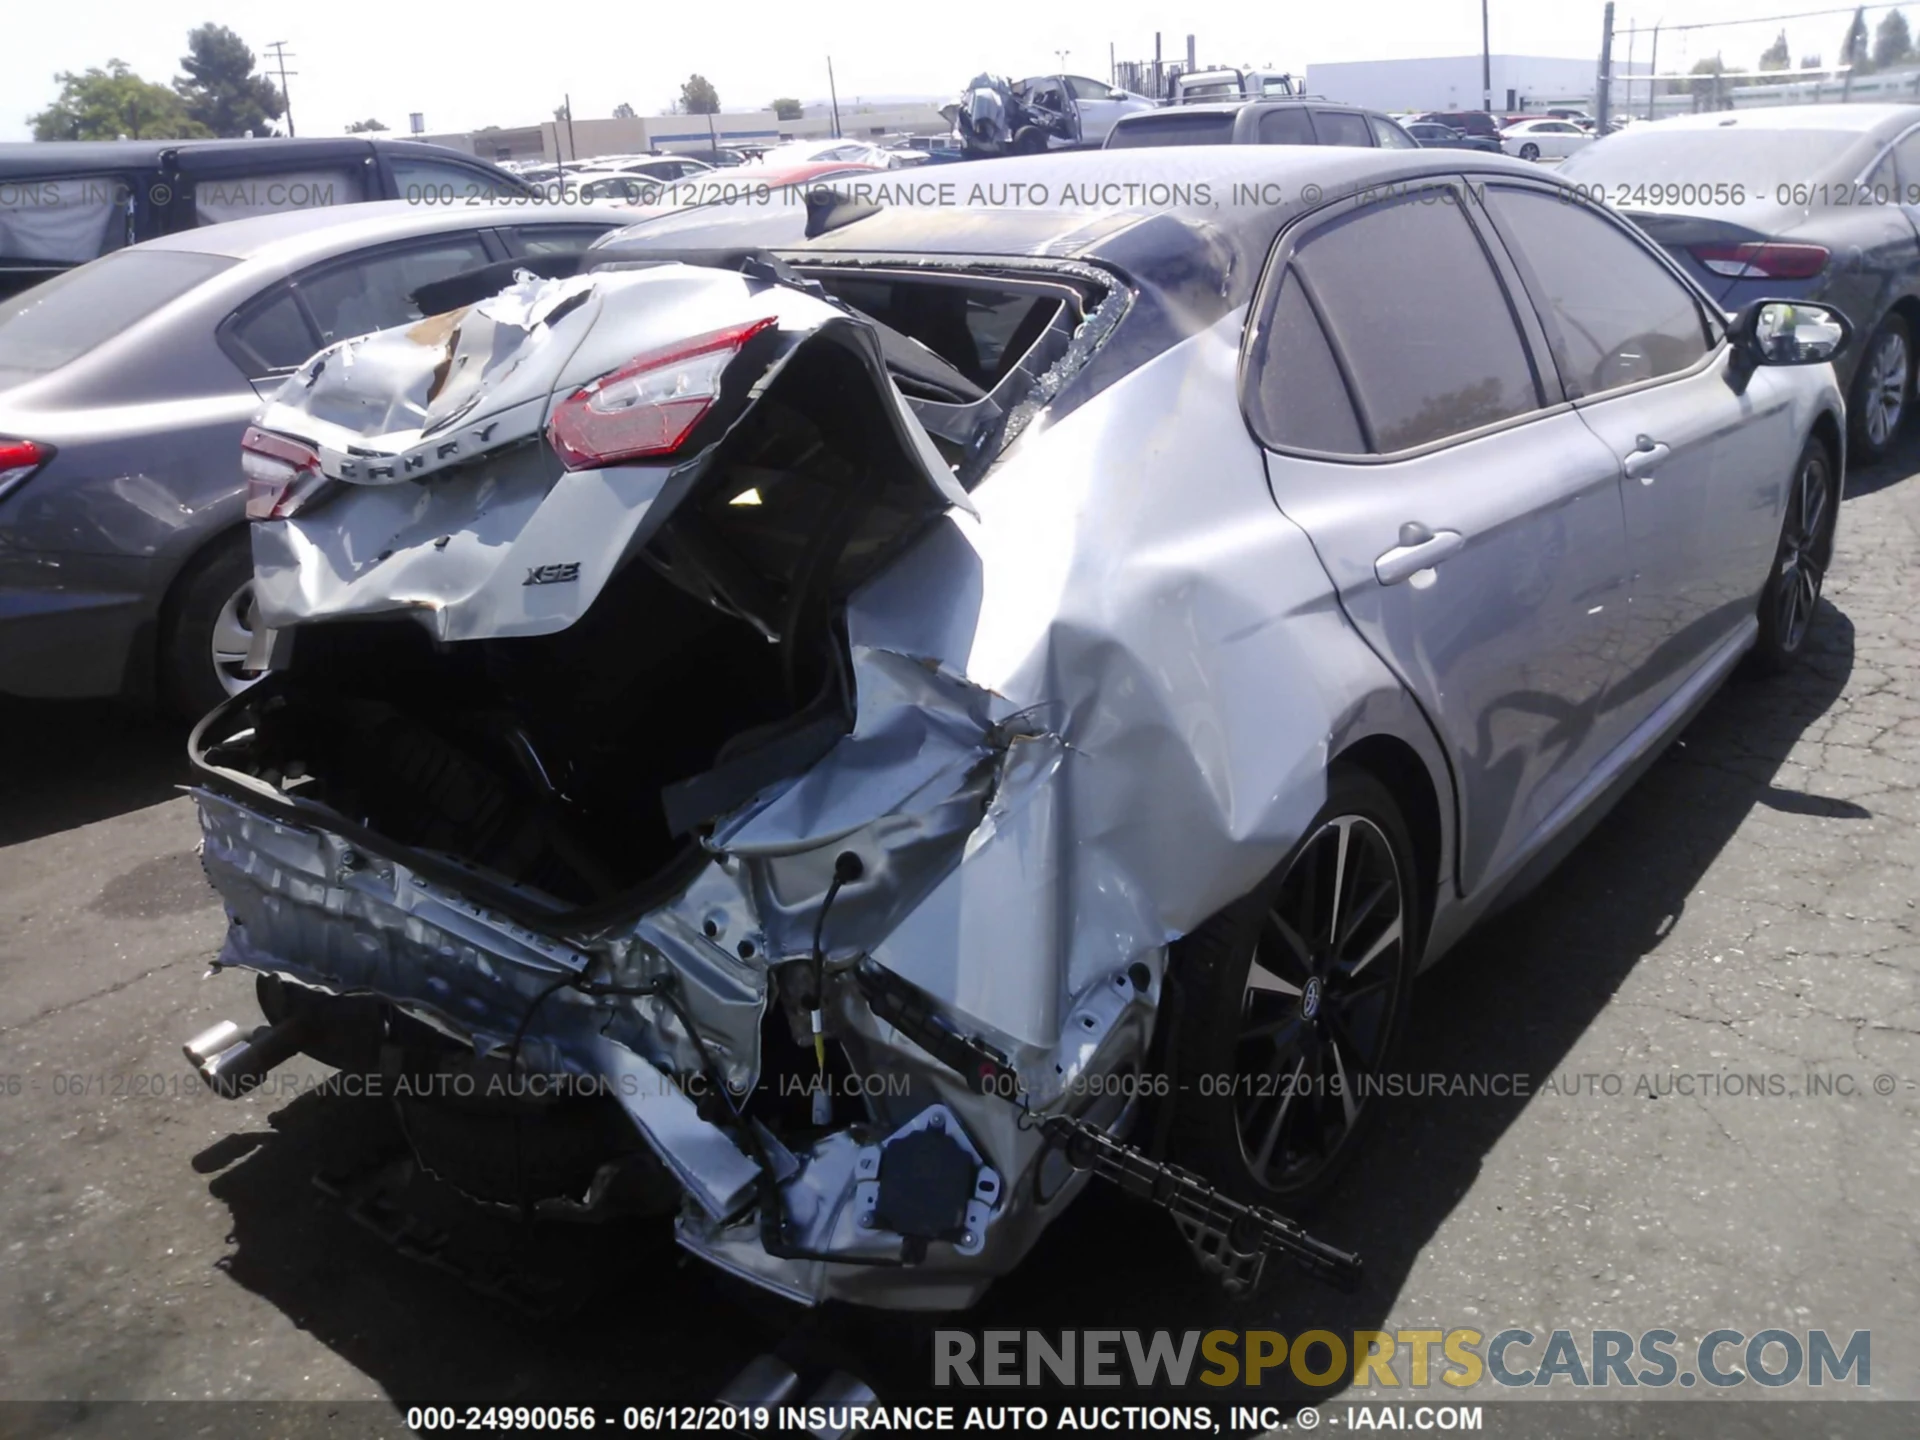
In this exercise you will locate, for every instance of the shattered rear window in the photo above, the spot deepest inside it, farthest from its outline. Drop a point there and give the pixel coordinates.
(981, 332)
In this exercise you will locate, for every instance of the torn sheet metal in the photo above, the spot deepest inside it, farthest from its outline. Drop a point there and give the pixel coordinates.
(518, 545)
(1085, 717)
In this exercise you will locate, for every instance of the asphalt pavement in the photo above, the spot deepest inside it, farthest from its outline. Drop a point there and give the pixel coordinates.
(1748, 911)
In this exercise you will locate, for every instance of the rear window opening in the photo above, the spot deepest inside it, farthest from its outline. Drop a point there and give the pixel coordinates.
(982, 329)
(57, 322)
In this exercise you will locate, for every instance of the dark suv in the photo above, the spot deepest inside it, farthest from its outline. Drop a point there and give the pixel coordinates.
(1467, 122)
(63, 203)
(1260, 122)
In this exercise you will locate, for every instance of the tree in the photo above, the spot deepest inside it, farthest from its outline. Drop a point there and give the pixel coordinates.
(1706, 90)
(698, 97)
(107, 104)
(624, 111)
(220, 89)
(1853, 49)
(364, 127)
(786, 108)
(1892, 41)
(1776, 56)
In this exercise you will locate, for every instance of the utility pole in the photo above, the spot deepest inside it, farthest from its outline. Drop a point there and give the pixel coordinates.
(279, 49)
(833, 98)
(573, 151)
(1486, 63)
(1653, 70)
(1604, 83)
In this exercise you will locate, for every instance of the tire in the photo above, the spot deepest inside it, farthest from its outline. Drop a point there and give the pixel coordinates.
(1529, 152)
(1266, 1050)
(1792, 592)
(1029, 140)
(1882, 390)
(212, 599)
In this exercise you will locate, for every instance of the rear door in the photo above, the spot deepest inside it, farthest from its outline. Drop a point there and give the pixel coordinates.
(1705, 464)
(1468, 518)
(373, 290)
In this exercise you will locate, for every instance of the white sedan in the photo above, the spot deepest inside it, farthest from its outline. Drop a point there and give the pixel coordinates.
(1537, 139)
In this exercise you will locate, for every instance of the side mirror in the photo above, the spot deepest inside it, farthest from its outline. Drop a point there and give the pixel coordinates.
(1790, 332)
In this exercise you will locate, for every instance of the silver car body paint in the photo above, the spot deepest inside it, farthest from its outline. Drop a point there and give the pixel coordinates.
(1092, 708)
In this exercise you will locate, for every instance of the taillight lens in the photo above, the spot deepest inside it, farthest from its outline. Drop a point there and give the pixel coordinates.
(18, 460)
(282, 474)
(1763, 260)
(649, 405)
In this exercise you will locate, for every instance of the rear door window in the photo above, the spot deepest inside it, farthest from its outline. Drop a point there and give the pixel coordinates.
(1342, 127)
(1286, 127)
(1301, 398)
(218, 199)
(432, 182)
(1614, 314)
(1427, 361)
(375, 292)
(1389, 135)
(551, 239)
(70, 218)
(272, 334)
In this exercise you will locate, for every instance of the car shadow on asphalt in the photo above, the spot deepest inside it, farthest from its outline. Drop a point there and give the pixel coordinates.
(70, 763)
(653, 1326)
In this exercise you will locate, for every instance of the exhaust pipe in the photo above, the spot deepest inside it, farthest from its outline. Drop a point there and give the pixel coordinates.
(234, 1061)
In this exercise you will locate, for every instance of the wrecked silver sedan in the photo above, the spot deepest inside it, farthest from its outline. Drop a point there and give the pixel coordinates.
(836, 742)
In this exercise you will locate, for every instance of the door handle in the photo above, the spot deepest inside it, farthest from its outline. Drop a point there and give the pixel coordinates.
(1419, 549)
(1645, 457)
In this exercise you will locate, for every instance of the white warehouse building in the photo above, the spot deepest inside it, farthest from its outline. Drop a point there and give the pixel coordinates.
(1453, 82)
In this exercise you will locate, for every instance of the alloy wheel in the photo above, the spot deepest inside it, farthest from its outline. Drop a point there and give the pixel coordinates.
(1317, 1015)
(1885, 395)
(232, 639)
(1802, 564)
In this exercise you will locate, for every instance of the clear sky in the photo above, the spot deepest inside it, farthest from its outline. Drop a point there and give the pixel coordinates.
(506, 64)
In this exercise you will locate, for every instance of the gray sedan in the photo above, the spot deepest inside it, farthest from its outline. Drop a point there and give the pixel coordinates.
(125, 386)
(985, 693)
(1818, 202)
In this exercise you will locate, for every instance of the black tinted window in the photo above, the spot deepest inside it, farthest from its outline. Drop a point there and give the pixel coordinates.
(1173, 128)
(1286, 127)
(275, 335)
(376, 291)
(43, 328)
(1342, 127)
(1615, 315)
(1428, 359)
(1301, 398)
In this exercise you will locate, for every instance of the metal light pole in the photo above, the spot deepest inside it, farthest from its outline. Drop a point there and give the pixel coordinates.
(1653, 70)
(833, 98)
(1486, 62)
(1605, 80)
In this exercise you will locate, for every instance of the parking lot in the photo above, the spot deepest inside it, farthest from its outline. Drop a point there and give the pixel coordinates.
(1747, 912)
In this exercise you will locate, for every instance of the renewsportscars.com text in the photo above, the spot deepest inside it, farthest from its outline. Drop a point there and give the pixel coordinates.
(1458, 1358)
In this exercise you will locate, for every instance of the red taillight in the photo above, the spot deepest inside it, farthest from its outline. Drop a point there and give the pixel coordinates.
(18, 460)
(649, 405)
(1763, 260)
(282, 475)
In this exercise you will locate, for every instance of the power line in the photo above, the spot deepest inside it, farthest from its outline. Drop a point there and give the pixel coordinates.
(279, 49)
(1762, 19)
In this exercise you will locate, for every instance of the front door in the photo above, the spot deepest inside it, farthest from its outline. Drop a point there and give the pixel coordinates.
(1470, 520)
(1704, 462)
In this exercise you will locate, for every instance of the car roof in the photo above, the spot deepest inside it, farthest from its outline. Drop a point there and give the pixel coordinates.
(293, 237)
(1234, 107)
(1855, 118)
(1171, 205)
(22, 159)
